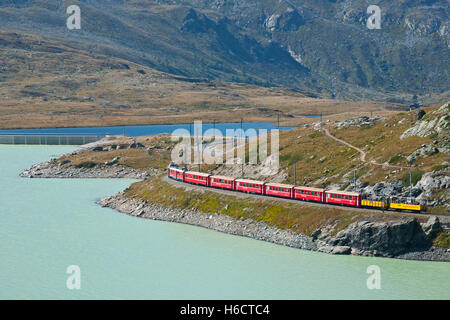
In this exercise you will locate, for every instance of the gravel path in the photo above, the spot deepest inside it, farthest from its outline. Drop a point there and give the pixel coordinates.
(362, 152)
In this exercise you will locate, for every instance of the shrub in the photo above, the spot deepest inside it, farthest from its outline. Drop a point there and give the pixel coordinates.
(415, 177)
(316, 135)
(442, 240)
(395, 159)
(434, 136)
(87, 164)
(439, 167)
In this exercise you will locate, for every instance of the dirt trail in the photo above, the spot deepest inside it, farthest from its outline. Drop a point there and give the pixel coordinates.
(362, 152)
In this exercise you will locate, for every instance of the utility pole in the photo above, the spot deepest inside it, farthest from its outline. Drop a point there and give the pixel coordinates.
(185, 162)
(198, 151)
(410, 187)
(243, 160)
(354, 181)
(295, 172)
(278, 120)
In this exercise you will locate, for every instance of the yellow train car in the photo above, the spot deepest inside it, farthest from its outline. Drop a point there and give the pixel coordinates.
(374, 204)
(405, 206)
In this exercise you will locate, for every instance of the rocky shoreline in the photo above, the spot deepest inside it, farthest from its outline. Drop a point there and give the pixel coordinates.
(223, 223)
(52, 169)
(404, 239)
(401, 233)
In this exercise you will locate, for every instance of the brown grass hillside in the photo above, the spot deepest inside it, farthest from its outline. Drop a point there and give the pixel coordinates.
(49, 84)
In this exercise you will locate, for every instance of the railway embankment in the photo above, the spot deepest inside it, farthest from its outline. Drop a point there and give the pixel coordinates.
(404, 239)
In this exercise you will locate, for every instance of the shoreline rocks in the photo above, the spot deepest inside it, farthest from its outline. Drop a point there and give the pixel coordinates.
(223, 223)
(403, 239)
(51, 169)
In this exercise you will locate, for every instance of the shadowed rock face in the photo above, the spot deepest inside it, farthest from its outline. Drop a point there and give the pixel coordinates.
(386, 239)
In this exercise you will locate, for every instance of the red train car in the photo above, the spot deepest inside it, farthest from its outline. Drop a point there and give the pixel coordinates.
(250, 186)
(177, 174)
(197, 178)
(279, 190)
(309, 194)
(222, 182)
(343, 198)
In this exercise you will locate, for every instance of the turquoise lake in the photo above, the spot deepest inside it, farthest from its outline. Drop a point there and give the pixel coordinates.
(48, 225)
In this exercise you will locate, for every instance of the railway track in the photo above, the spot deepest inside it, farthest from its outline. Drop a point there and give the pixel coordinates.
(444, 219)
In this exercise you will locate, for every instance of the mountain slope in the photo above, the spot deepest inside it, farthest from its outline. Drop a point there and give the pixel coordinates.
(320, 47)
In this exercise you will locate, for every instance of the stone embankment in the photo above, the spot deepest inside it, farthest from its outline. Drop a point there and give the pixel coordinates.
(219, 222)
(405, 238)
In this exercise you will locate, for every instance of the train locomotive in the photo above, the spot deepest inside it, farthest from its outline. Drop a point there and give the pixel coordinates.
(334, 197)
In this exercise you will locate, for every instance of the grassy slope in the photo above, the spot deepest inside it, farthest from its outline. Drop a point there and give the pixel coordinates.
(382, 144)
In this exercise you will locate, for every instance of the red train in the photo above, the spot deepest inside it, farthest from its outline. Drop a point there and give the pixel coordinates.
(269, 189)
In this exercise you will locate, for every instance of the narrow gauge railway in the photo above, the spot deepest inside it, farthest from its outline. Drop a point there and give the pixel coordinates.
(332, 197)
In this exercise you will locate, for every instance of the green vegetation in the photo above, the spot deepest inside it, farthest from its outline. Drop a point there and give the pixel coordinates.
(86, 164)
(439, 167)
(315, 135)
(442, 240)
(290, 158)
(434, 136)
(415, 177)
(395, 159)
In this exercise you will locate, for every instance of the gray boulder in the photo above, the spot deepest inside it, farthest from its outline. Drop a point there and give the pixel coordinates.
(419, 115)
(382, 238)
(432, 227)
(423, 151)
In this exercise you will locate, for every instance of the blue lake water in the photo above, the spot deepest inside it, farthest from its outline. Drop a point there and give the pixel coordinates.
(135, 131)
(47, 225)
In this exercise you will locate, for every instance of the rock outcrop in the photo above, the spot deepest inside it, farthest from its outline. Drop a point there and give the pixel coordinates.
(382, 238)
(363, 121)
(52, 169)
(424, 127)
(423, 191)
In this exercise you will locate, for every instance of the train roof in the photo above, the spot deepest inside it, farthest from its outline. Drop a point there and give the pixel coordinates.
(347, 193)
(198, 173)
(222, 177)
(250, 181)
(175, 168)
(280, 185)
(310, 189)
